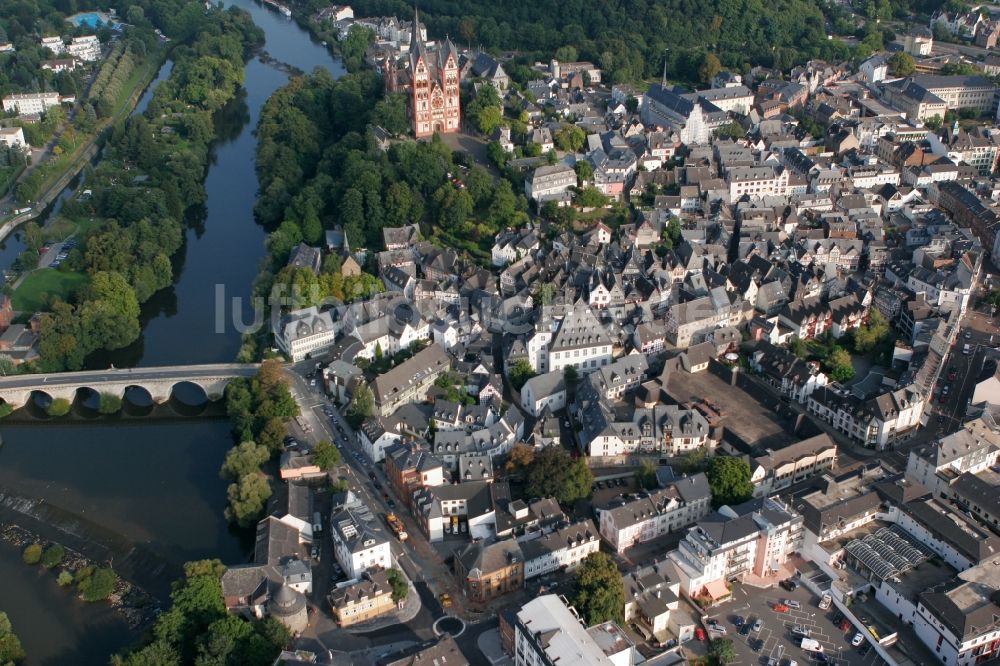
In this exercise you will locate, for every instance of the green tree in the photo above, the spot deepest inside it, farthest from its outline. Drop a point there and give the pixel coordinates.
(591, 197)
(11, 651)
(247, 458)
(5, 410)
(554, 473)
(519, 373)
(247, 498)
(65, 578)
(695, 461)
(570, 138)
(59, 407)
(98, 585)
(110, 404)
(599, 594)
(272, 435)
(646, 475)
(326, 455)
(362, 404)
(32, 554)
(837, 363)
(722, 651)
(584, 171)
(729, 479)
(53, 556)
(901, 64)
(400, 589)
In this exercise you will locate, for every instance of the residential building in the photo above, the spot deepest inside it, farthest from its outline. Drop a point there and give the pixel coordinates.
(487, 571)
(548, 182)
(544, 392)
(653, 513)
(756, 537)
(12, 137)
(960, 618)
(458, 508)
(443, 651)
(367, 599)
(359, 544)
(876, 422)
(777, 470)
(548, 632)
(304, 333)
(937, 465)
(410, 380)
(409, 469)
(652, 603)
(563, 548)
(793, 377)
(86, 48)
(29, 103)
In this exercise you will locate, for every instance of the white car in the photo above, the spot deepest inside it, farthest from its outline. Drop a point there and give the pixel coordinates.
(858, 639)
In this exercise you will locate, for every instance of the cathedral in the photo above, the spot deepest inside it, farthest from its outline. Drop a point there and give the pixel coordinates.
(429, 77)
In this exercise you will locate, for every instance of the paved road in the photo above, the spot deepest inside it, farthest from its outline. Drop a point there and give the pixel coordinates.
(95, 377)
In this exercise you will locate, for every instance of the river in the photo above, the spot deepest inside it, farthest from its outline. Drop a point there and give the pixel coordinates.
(155, 481)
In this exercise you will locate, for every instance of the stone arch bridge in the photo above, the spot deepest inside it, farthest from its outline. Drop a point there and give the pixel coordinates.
(16, 390)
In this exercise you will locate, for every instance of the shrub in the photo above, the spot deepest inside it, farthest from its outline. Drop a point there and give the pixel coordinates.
(33, 553)
(59, 407)
(52, 556)
(65, 579)
(5, 410)
(98, 585)
(110, 404)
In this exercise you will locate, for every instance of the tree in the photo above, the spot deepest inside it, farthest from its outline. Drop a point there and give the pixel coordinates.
(53, 556)
(554, 473)
(272, 435)
(247, 499)
(591, 197)
(710, 66)
(110, 404)
(521, 456)
(646, 476)
(722, 651)
(32, 554)
(10, 646)
(695, 461)
(64, 579)
(400, 588)
(570, 138)
(244, 459)
(599, 594)
(59, 407)
(520, 373)
(326, 455)
(584, 171)
(901, 64)
(98, 585)
(933, 123)
(838, 364)
(729, 479)
(362, 404)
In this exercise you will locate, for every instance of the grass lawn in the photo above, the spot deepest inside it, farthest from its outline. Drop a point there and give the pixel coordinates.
(33, 294)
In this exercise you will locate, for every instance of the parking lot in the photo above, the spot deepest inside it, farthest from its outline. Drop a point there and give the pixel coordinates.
(775, 639)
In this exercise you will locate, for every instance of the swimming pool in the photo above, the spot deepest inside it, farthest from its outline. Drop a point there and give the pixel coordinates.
(90, 19)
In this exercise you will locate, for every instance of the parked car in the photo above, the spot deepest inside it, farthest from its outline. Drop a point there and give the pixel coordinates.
(858, 639)
(845, 625)
(779, 608)
(799, 630)
(738, 621)
(952, 373)
(789, 584)
(699, 633)
(758, 625)
(371, 475)
(792, 603)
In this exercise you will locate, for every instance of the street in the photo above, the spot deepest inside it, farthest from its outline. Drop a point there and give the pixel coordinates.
(420, 561)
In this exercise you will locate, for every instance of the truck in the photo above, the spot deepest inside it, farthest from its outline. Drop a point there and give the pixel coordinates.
(825, 602)
(396, 525)
(811, 645)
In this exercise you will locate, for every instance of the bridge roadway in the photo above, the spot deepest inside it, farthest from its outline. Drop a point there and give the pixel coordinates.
(159, 382)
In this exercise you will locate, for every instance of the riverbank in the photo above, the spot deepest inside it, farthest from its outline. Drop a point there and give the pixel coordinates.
(132, 603)
(73, 163)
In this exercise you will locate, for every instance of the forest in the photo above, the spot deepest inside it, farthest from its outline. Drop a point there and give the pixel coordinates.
(631, 39)
(151, 176)
(318, 167)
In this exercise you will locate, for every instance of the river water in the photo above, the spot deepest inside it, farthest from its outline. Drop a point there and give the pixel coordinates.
(155, 481)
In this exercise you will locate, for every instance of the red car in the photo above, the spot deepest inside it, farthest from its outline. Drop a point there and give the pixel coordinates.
(699, 633)
(780, 608)
(845, 625)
